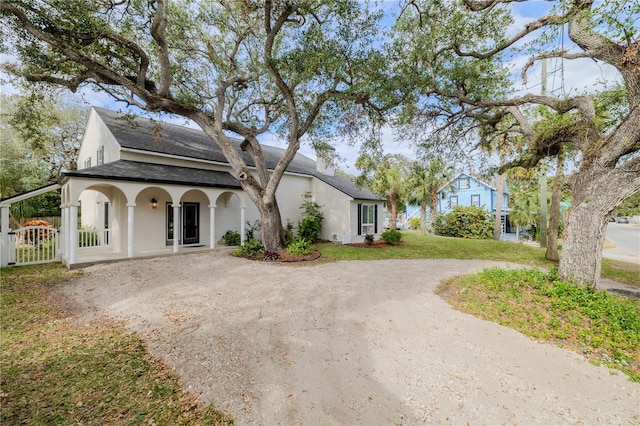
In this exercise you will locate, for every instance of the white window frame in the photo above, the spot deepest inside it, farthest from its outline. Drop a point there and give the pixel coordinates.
(87, 163)
(100, 156)
(368, 219)
(453, 201)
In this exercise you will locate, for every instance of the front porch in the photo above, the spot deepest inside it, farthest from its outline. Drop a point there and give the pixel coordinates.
(105, 221)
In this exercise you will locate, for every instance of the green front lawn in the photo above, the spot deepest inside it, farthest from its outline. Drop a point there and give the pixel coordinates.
(416, 246)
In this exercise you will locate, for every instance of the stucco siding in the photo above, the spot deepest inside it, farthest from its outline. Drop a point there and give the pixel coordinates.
(336, 208)
(96, 135)
(290, 196)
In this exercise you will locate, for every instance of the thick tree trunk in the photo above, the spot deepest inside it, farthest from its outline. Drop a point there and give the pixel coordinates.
(554, 212)
(582, 249)
(423, 218)
(271, 229)
(595, 193)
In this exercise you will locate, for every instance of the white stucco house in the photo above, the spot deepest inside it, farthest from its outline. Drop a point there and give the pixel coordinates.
(144, 186)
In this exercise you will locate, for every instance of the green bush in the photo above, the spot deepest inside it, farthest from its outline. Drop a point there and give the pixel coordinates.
(308, 228)
(465, 222)
(391, 236)
(299, 246)
(311, 222)
(288, 232)
(414, 223)
(231, 238)
(250, 248)
(250, 230)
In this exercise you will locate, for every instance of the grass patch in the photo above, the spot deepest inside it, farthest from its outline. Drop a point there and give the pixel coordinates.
(604, 327)
(56, 370)
(416, 246)
(621, 271)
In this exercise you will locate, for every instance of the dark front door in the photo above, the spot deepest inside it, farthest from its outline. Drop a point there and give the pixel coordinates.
(190, 223)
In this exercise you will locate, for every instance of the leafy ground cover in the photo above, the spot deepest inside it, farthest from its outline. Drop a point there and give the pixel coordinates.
(56, 370)
(416, 246)
(604, 327)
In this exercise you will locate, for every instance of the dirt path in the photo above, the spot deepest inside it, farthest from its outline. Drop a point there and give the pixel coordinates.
(347, 343)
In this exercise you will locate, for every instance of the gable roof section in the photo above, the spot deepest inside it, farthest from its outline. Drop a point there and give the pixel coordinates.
(474, 178)
(158, 173)
(171, 139)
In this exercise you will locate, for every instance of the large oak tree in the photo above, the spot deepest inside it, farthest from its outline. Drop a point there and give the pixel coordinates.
(242, 68)
(458, 82)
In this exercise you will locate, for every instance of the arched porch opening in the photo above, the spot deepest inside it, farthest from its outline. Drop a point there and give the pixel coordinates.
(229, 216)
(151, 221)
(97, 205)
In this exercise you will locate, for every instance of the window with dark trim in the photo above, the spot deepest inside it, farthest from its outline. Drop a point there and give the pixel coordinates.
(367, 219)
(463, 183)
(475, 200)
(453, 201)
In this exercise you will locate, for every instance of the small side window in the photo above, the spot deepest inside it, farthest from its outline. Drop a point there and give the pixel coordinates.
(100, 156)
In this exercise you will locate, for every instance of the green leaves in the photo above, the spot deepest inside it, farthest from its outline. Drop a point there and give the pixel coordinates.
(465, 222)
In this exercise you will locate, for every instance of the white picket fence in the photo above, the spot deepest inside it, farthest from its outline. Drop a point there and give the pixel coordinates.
(34, 244)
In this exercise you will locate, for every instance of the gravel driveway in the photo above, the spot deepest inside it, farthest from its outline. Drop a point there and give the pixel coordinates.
(346, 343)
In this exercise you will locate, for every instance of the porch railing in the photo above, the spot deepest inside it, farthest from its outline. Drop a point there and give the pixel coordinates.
(88, 238)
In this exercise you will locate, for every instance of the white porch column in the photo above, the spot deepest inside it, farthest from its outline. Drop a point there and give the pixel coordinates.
(67, 234)
(73, 234)
(4, 244)
(176, 227)
(212, 226)
(62, 230)
(242, 220)
(130, 228)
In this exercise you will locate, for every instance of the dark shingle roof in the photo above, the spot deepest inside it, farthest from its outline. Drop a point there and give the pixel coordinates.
(165, 138)
(158, 173)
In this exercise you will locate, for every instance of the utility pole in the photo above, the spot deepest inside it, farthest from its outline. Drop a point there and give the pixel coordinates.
(543, 175)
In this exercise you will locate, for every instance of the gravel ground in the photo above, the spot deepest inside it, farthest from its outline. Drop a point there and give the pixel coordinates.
(346, 343)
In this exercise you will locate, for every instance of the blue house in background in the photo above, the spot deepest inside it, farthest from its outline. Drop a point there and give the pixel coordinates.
(470, 191)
